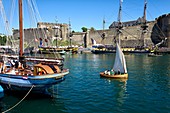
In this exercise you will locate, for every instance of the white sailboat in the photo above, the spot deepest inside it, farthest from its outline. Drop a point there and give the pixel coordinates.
(119, 69)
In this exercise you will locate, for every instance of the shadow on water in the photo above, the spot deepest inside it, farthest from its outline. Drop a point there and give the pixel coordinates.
(31, 95)
(117, 93)
(33, 103)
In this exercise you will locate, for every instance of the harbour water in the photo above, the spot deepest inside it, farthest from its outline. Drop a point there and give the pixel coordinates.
(147, 89)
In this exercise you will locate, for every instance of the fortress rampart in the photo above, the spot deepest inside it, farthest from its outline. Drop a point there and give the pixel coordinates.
(130, 37)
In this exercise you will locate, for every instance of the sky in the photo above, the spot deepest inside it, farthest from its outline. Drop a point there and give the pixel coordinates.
(85, 13)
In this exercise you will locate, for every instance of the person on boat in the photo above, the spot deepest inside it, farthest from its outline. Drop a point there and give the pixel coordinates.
(118, 72)
(16, 64)
(108, 72)
(105, 72)
(112, 72)
(12, 62)
(20, 66)
(1, 67)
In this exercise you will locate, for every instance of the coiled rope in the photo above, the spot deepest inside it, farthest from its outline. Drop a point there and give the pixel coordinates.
(19, 101)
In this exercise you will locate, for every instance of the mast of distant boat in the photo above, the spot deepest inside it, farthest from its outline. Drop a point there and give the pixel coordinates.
(70, 33)
(119, 22)
(144, 26)
(103, 34)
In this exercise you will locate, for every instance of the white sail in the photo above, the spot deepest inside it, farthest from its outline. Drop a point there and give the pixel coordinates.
(93, 41)
(120, 63)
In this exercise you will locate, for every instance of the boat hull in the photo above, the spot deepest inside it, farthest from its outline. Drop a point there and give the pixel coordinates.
(140, 51)
(153, 55)
(102, 51)
(25, 83)
(119, 76)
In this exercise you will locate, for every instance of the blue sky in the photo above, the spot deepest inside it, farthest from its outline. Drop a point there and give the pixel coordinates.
(88, 13)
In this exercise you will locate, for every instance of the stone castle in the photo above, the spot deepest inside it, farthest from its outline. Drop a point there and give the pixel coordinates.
(157, 31)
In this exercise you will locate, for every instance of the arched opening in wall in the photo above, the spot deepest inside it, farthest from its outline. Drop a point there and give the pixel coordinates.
(158, 34)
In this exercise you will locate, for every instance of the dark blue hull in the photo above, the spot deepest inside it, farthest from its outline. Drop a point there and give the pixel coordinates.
(22, 83)
(37, 87)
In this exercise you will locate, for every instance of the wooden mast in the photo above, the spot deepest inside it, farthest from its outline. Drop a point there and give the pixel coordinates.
(144, 25)
(119, 22)
(20, 29)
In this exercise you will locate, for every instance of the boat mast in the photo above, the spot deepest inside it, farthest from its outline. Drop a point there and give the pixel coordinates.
(119, 22)
(144, 14)
(20, 29)
(104, 23)
(103, 34)
(70, 34)
(144, 26)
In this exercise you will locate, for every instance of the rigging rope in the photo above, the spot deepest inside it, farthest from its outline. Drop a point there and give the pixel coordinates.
(20, 100)
(6, 23)
(12, 11)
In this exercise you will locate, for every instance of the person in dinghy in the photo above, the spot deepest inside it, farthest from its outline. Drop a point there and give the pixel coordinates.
(112, 74)
(109, 72)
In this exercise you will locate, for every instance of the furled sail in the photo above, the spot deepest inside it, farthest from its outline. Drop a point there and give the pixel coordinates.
(120, 63)
(93, 41)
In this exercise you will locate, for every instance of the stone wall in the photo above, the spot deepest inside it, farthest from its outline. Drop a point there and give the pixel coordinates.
(161, 30)
(48, 32)
(130, 36)
(55, 29)
(78, 38)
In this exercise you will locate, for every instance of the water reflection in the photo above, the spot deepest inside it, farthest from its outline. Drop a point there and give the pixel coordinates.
(119, 89)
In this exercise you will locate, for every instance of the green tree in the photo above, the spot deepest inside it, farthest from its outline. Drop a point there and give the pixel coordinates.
(3, 40)
(92, 29)
(84, 29)
(73, 31)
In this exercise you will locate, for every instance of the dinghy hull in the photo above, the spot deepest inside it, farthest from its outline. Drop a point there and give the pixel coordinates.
(118, 76)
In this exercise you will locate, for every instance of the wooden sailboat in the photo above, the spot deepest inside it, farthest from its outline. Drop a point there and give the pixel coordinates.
(15, 74)
(119, 69)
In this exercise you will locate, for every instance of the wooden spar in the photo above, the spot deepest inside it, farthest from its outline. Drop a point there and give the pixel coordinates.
(20, 28)
(144, 13)
(119, 22)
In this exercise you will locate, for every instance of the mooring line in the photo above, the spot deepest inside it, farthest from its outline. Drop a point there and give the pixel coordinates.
(19, 101)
